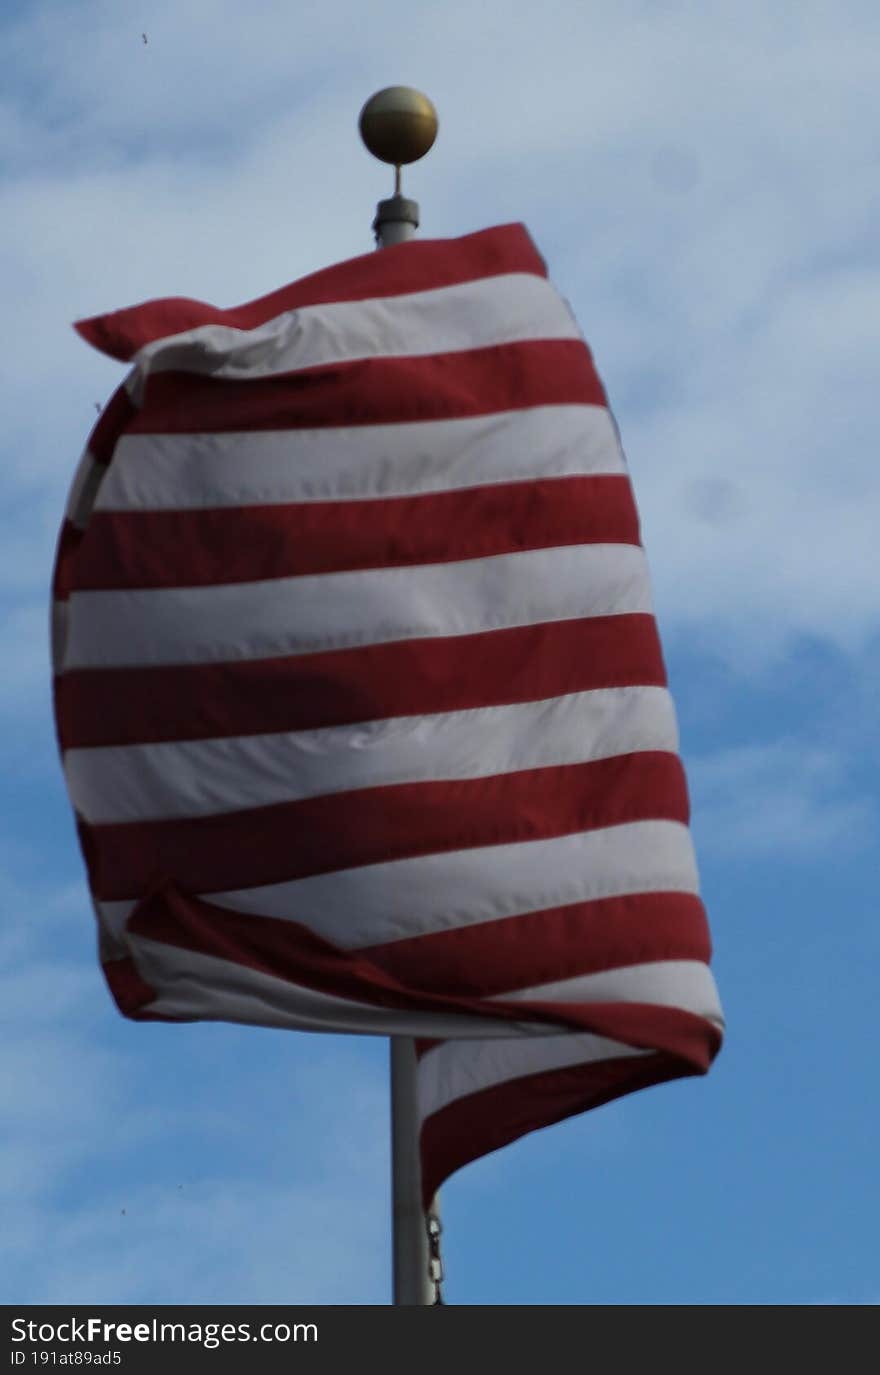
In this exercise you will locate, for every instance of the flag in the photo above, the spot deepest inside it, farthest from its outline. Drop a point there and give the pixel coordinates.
(361, 702)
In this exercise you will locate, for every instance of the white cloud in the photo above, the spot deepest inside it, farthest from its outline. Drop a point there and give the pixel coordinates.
(785, 800)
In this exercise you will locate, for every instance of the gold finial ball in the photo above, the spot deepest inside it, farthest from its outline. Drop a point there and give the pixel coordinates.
(398, 124)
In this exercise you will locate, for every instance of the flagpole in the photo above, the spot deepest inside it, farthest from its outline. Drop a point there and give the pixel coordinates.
(410, 1261)
(399, 125)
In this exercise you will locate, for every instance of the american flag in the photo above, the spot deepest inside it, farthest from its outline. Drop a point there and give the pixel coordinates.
(361, 702)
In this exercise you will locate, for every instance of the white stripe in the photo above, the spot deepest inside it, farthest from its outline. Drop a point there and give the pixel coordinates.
(479, 314)
(458, 1068)
(84, 489)
(206, 777)
(196, 471)
(302, 615)
(377, 903)
(205, 988)
(685, 984)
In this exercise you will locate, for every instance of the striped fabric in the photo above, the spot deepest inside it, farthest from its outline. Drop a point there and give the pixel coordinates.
(361, 703)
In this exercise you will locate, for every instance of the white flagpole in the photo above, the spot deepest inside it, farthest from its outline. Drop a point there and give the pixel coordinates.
(399, 125)
(412, 1282)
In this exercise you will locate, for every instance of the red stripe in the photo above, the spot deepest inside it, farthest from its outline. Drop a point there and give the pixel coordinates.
(70, 540)
(473, 1126)
(344, 830)
(289, 951)
(535, 948)
(639, 1025)
(130, 992)
(375, 391)
(125, 706)
(197, 548)
(423, 265)
(115, 417)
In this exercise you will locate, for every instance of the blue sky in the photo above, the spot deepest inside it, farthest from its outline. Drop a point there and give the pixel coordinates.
(702, 178)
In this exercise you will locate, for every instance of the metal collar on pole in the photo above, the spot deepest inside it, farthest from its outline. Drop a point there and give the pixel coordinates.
(397, 219)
